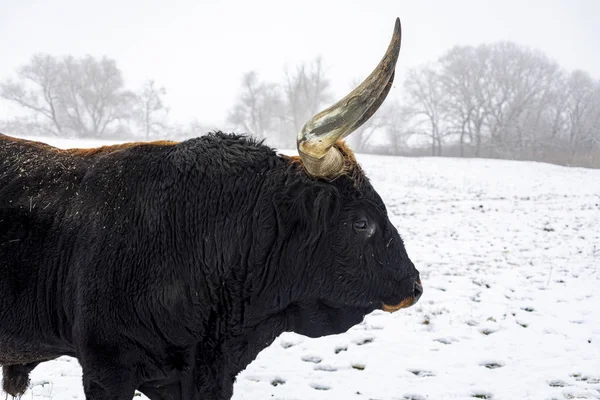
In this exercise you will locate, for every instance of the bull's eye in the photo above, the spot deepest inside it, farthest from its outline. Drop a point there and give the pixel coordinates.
(361, 225)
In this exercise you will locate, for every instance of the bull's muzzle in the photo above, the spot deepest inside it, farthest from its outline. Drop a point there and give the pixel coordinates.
(409, 301)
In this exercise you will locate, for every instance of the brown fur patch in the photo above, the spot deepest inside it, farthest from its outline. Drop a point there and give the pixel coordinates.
(109, 149)
(87, 152)
(346, 151)
(409, 301)
(351, 166)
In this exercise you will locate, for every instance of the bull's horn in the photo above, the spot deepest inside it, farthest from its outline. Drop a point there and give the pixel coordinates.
(318, 135)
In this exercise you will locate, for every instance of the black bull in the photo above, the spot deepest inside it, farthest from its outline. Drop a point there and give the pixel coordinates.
(168, 267)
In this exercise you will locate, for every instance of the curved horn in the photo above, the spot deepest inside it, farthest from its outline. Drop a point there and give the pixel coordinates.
(317, 137)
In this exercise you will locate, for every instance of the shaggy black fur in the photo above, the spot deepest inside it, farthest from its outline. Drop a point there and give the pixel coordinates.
(168, 267)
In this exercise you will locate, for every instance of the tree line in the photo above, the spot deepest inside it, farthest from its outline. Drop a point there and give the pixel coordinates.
(506, 101)
(496, 100)
(499, 100)
(82, 97)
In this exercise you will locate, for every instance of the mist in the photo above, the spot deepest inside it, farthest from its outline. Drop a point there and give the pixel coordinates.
(474, 79)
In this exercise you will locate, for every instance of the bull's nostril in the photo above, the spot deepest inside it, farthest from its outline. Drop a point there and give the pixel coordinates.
(417, 291)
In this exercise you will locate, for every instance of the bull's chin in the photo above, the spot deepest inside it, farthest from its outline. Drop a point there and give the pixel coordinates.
(407, 302)
(317, 318)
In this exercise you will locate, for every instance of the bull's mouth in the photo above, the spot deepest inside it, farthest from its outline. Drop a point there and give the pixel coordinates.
(409, 301)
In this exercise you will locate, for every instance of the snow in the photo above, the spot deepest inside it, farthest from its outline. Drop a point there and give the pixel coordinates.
(509, 254)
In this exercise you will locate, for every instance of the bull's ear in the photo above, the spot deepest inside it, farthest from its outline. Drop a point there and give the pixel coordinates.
(325, 206)
(310, 207)
(316, 139)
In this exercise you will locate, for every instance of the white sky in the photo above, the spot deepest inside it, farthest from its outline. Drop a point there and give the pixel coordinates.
(199, 50)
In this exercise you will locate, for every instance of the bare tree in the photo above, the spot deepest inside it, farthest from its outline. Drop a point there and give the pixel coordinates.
(554, 122)
(306, 91)
(427, 105)
(74, 96)
(93, 95)
(515, 81)
(150, 111)
(259, 109)
(583, 113)
(37, 90)
(461, 70)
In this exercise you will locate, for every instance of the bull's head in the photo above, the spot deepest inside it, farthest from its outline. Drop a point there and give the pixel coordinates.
(344, 257)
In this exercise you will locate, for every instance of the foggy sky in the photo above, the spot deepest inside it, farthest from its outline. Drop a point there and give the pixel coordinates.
(199, 50)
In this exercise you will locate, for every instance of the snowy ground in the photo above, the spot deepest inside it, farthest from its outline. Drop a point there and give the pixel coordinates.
(509, 254)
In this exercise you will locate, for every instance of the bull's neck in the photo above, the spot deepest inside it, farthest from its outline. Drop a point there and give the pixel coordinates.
(250, 341)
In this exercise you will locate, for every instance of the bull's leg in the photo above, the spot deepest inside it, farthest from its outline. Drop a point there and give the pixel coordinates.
(15, 378)
(108, 366)
(107, 386)
(106, 374)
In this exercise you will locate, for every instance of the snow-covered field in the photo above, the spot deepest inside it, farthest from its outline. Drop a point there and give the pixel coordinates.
(509, 254)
